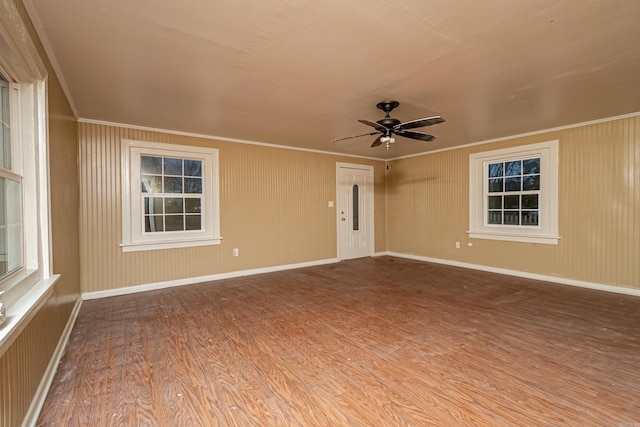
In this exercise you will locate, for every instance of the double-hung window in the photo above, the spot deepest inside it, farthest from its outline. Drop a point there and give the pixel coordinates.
(169, 196)
(513, 194)
(11, 258)
(26, 279)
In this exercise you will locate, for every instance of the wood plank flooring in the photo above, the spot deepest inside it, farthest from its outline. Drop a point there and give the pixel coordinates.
(369, 342)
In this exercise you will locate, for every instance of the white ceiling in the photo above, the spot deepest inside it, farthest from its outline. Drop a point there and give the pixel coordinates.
(300, 72)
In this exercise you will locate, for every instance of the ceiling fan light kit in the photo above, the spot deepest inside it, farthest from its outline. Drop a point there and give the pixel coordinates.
(389, 126)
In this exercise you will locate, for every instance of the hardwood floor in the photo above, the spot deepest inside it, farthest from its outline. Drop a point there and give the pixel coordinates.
(369, 342)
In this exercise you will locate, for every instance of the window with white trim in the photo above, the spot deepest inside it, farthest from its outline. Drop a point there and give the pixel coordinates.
(24, 216)
(169, 196)
(513, 194)
(26, 278)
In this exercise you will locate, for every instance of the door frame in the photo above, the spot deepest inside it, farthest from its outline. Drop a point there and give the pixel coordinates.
(365, 168)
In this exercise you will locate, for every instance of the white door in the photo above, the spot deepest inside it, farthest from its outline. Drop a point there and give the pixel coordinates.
(354, 195)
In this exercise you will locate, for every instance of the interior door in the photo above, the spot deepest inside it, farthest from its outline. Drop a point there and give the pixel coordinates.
(354, 210)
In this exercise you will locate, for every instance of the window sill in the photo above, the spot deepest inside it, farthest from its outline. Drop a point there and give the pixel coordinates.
(20, 314)
(514, 237)
(152, 246)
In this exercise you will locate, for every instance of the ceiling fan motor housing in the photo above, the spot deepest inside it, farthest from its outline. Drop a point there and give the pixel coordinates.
(388, 122)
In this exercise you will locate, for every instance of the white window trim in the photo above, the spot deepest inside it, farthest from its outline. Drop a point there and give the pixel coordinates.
(133, 238)
(28, 288)
(547, 231)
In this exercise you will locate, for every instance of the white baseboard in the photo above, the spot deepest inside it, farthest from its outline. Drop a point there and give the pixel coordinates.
(523, 274)
(41, 393)
(200, 279)
(241, 273)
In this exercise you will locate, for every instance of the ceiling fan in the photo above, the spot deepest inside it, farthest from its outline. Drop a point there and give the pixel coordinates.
(388, 126)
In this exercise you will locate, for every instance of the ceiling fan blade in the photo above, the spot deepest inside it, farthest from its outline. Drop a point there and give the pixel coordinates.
(377, 142)
(356, 136)
(378, 126)
(416, 135)
(427, 121)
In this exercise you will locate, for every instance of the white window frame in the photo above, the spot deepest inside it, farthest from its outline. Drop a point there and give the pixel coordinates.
(11, 234)
(546, 231)
(134, 238)
(29, 287)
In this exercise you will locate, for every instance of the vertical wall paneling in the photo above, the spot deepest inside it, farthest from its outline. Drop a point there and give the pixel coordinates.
(23, 365)
(599, 211)
(273, 208)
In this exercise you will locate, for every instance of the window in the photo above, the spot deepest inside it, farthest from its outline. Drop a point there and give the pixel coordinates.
(513, 194)
(356, 208)
(26, 279)
(24, 216)
(172, 191)
(169, 196)
(10, 192)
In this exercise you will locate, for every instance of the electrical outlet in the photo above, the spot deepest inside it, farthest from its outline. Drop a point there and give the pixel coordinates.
(235, 251)
(457, 245)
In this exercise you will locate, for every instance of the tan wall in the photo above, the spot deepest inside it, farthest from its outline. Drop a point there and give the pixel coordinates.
(273, 208)
(599, 207)
(23, 365)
